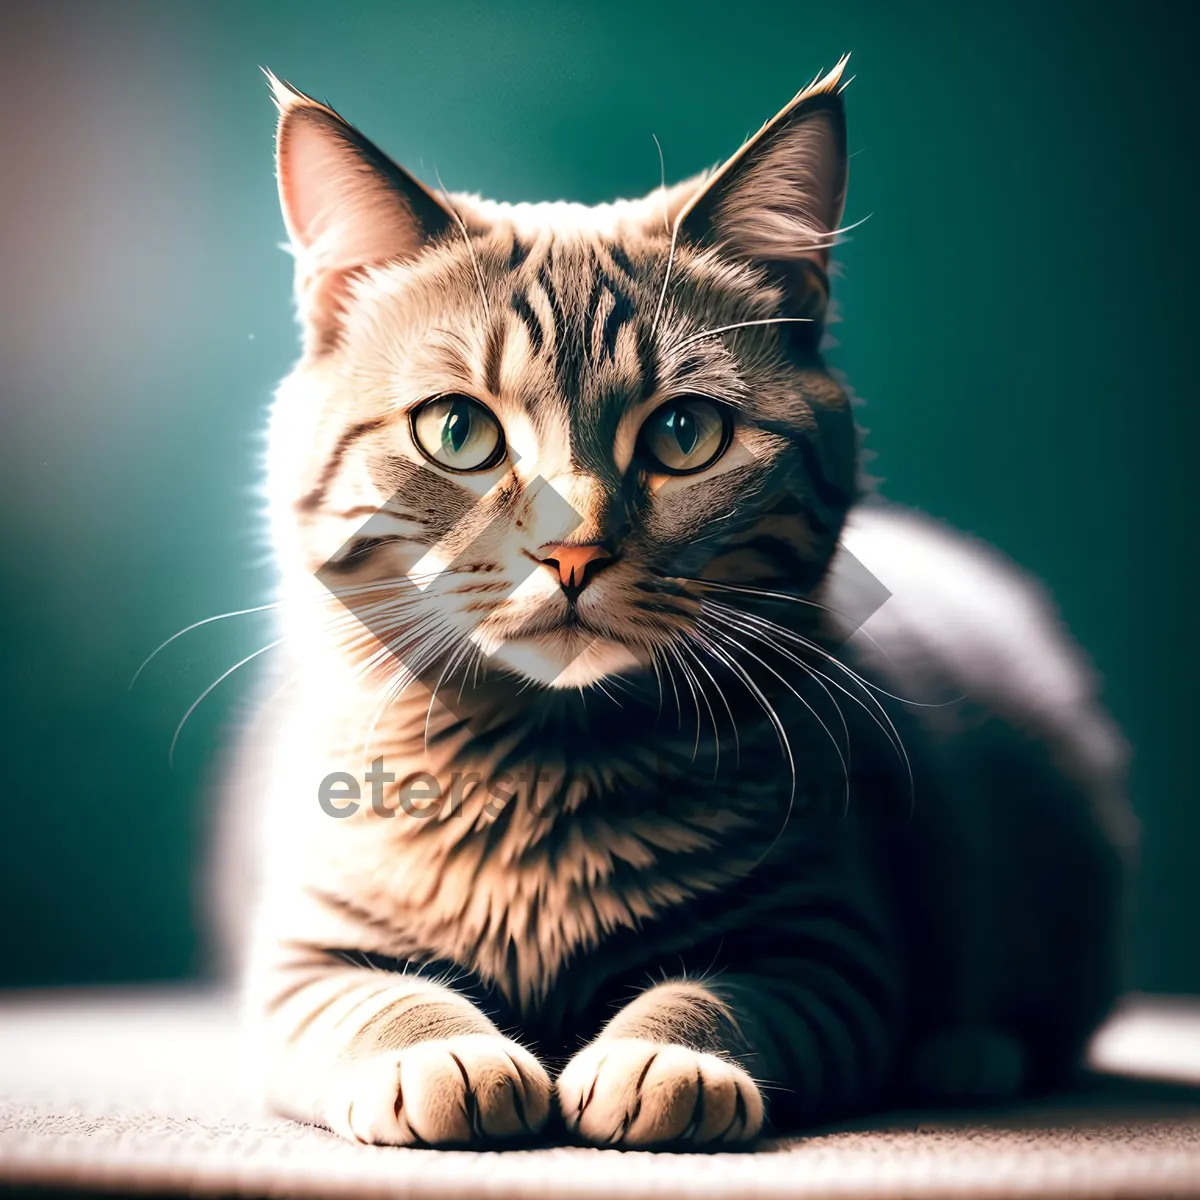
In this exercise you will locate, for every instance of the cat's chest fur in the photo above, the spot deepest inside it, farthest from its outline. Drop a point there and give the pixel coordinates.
(515, 883)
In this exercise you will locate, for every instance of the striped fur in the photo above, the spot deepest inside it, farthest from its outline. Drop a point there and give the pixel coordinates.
(666, 837)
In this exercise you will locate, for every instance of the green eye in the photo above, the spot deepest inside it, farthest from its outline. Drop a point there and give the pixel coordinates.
(685, 435)
(458, 433)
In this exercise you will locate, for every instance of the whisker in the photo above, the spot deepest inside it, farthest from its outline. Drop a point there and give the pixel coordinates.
(753, 591)
(219, 679)
(712, 716)
(889, 729)
(790, 598)
(331, 594)
(240, 612)
(786, 596)
(706, 333)
(817, 716)
(737, 747)
(462, 683)
(658, 680)
(662, 183)
(487, 308)
(673, 651)
(827, 241)
(458, 651)
(402, 680)
(845, 759)
(756, 627)
(747, 680)
(662, 295)
(675, 693)
(818, 677)
(599, 684)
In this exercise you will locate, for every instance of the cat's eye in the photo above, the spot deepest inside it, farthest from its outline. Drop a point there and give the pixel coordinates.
(685, 435)
(458, 433)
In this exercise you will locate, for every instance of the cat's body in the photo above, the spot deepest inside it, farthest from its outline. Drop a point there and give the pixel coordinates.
(676, 842)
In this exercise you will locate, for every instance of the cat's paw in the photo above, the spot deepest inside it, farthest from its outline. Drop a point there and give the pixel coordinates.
(450, 1091)
(630, 1092)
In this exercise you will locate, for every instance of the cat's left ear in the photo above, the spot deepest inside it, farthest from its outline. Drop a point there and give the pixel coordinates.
(346, 206)
(778, 201)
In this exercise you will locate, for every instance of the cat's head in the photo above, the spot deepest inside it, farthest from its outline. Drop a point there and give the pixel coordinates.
(542, 435)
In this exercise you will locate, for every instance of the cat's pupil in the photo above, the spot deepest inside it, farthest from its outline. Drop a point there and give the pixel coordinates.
(457, 427)
(683, 425)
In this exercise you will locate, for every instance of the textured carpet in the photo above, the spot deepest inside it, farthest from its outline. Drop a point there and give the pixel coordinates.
(147, 1092)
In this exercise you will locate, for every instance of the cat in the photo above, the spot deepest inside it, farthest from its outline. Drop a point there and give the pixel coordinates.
(636, 769)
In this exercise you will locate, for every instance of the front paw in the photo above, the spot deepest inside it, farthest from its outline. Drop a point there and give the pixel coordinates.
(630, 1092)
(451, 1091)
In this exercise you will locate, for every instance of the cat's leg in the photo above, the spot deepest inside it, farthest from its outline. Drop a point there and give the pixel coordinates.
(687, 1062)
(387, 1058)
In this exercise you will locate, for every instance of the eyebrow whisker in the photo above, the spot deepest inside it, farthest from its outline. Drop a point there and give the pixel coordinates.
(662, 295)
(662, 183)
(705, 333)
(487, 308)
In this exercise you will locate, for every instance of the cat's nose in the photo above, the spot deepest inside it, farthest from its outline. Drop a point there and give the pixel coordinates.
(575, 566)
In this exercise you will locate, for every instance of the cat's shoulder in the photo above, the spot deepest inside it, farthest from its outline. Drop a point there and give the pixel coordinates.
(951, 616)
(947, 593)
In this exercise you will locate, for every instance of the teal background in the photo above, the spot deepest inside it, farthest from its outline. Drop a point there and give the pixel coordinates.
(1019, 316)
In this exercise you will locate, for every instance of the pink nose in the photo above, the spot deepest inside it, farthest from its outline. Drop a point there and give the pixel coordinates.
(576, 566)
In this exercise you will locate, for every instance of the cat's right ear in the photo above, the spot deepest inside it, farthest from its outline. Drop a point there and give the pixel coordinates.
(346, 206)
(778, 201)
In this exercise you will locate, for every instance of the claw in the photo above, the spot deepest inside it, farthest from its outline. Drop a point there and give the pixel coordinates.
(470, 1104)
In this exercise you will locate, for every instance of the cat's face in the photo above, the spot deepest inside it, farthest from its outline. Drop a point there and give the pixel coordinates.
(539, 436)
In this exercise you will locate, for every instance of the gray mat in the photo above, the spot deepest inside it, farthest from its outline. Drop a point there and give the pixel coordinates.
(149, 1092)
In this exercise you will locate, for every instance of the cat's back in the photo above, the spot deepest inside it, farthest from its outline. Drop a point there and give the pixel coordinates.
(956, 628)
(1014, 858)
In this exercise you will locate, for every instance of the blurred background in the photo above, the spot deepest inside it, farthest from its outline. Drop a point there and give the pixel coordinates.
(1019, 316)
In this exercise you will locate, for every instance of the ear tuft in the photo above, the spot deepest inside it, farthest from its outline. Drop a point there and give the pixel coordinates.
(282, 92)
(831, 82)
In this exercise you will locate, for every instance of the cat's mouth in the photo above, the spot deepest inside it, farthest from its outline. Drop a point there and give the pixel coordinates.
(570, 658)
(566, 624)
(565, 648)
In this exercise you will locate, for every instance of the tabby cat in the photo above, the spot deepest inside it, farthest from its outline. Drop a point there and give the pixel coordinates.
(634, 771)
